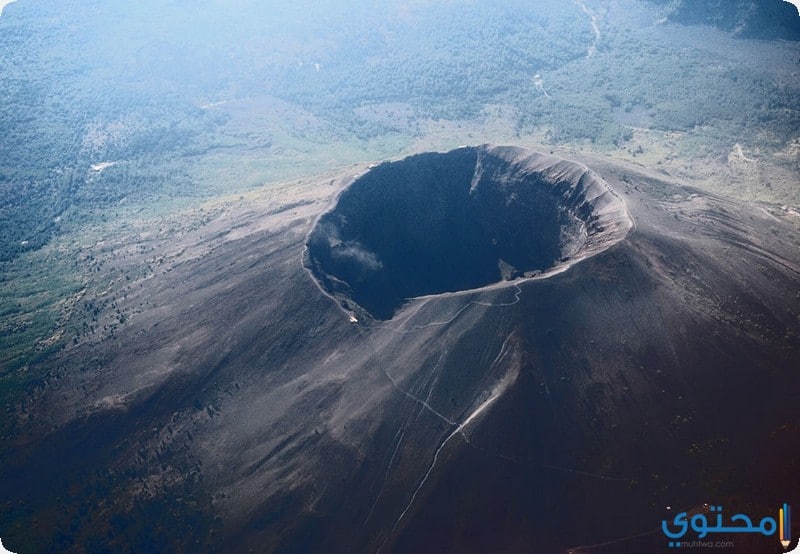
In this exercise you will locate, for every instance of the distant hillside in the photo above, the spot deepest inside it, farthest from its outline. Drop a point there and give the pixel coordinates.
(129, 84)
(763, 19)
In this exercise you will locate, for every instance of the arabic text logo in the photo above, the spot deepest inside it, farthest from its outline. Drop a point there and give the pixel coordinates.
(700, 522)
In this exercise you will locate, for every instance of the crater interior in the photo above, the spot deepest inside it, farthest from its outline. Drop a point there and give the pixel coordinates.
(435, 223)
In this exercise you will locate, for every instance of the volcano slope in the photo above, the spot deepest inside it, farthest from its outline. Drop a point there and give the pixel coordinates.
(551, 357)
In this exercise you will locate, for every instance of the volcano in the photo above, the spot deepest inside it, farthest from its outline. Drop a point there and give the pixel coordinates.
(461, 220)
(484, 350)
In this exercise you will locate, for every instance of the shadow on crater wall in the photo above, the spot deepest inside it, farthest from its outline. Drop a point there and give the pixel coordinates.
(445, 222)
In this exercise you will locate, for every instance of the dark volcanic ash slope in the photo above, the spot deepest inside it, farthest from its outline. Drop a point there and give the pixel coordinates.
(242, 409)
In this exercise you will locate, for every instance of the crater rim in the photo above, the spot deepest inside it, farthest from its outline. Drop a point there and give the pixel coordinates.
(600, 212)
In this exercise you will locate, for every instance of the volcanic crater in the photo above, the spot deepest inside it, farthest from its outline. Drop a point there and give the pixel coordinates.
(462, 220)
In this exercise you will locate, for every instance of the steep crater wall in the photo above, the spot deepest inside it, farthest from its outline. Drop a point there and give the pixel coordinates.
(446, 222)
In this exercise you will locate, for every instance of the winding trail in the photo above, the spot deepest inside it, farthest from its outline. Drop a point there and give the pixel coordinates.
(592, 50)
(399, 436)
(497, 392)
(423, 403)
(461, 310)
(460, 430)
